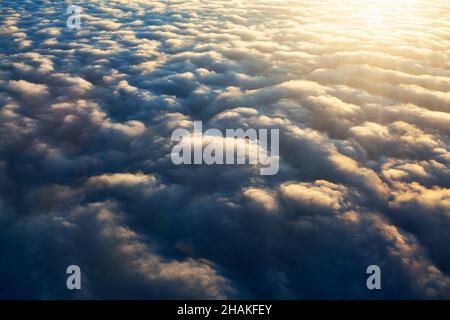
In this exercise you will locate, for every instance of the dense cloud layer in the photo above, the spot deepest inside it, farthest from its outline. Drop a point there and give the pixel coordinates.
(360, 91)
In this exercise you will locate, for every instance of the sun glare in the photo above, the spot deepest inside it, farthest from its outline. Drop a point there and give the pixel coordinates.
(378, 16)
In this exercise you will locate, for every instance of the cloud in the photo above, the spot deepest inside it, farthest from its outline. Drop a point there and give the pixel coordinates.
(321, 194)
(262, 198)
(28, 88)
(358, 91)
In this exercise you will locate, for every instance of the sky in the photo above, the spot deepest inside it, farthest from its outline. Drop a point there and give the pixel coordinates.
(360, 94)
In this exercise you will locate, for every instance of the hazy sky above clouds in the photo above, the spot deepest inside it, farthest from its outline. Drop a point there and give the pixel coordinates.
(359, 89)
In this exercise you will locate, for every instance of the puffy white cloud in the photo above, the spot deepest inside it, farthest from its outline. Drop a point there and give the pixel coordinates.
(320, 194)
(262, 198)
(28, 88)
